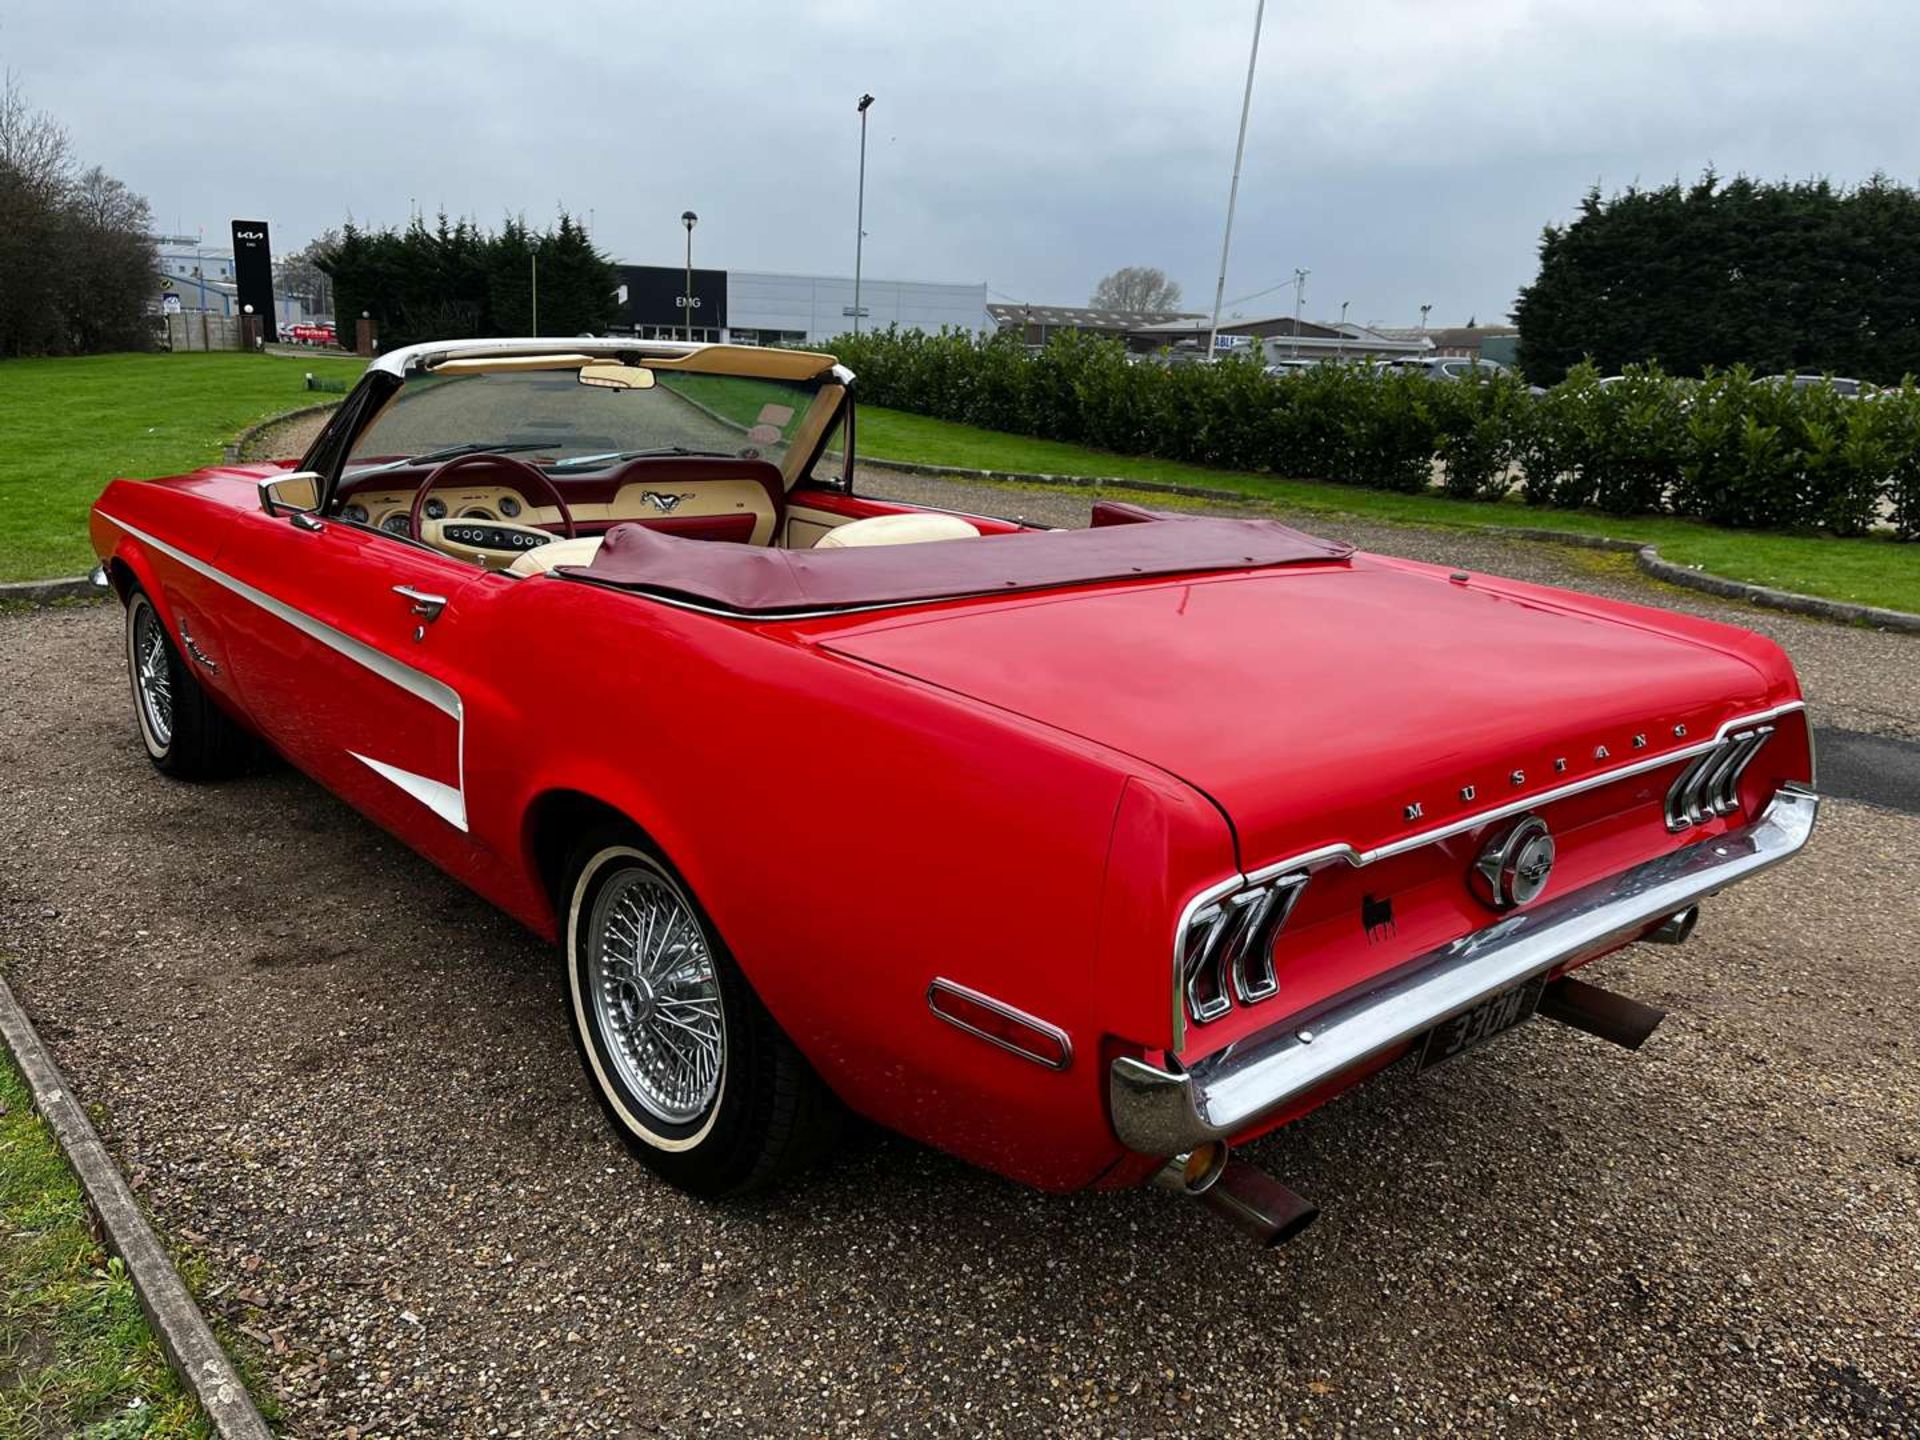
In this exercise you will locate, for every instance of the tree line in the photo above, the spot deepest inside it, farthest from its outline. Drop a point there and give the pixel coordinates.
(77, 269)
(1800, 276)
(456, 281)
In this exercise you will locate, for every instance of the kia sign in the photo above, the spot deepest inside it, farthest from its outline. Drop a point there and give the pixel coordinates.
(253, 273)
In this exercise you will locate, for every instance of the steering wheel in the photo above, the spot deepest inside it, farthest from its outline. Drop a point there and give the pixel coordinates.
(529, 474)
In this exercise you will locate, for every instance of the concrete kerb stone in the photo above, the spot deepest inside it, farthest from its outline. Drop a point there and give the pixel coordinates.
(179, 1325)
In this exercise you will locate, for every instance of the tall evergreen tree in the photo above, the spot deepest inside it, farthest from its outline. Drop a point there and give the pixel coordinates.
(1803, 276)
(455, 280)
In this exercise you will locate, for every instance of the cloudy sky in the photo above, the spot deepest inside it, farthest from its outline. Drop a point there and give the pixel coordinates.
(1403, 151)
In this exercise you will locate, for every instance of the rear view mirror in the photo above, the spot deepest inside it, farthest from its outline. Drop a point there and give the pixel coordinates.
(612, 375)
(290, 494)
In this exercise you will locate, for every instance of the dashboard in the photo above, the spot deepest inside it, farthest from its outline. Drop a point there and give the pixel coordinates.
(676, 500)
(389, 509)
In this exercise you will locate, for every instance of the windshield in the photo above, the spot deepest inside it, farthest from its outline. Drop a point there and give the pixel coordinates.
(550, 418)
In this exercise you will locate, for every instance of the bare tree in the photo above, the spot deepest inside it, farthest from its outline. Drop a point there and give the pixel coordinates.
(300, 272)
(1136, 287)
(33, 145)
(76, 259)
(108, 274)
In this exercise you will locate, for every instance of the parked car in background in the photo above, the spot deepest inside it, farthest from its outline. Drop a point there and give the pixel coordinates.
(1839, 384)
(1446, 367)
(1086, 855)
(1450, 367)
(311, 334)
(1292, 365)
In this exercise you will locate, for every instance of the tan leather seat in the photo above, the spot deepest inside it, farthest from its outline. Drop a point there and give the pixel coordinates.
(895, 530)
(538, 561)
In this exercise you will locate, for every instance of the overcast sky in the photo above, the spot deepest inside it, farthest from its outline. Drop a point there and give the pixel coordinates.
(1403, 151)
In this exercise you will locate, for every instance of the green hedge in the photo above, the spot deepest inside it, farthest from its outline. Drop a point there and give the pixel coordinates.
(1729, 449)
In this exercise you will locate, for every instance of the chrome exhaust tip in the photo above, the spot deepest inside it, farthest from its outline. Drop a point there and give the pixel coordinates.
(1258, 1204)
(1676, 927)
(1195, 1171)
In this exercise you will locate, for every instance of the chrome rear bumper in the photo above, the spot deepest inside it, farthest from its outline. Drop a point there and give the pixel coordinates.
(1166, 1112)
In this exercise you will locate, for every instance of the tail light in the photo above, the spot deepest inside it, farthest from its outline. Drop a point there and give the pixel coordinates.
(1710, 785)
(1226, 954)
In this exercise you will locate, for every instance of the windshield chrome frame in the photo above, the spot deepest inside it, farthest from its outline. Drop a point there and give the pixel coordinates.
(327, 456)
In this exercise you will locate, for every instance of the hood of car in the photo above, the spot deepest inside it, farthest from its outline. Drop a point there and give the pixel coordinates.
(1337, 705)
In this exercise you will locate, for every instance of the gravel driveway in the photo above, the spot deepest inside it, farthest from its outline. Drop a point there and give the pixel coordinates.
(347, 1083)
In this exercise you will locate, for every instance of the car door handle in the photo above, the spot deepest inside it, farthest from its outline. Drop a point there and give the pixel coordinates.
(427, 607)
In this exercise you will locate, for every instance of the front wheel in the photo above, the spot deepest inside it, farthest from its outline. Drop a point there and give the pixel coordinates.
(186, 734)
(696, 1076)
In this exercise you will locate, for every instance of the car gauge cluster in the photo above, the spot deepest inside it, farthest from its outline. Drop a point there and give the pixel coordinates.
(492, 537)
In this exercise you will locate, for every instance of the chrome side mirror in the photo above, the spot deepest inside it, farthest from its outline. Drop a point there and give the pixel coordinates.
(295, 493)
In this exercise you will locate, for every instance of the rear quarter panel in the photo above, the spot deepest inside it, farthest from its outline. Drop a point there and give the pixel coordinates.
(853, 835)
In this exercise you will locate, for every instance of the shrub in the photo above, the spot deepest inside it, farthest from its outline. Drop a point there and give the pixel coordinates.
(1481, 429)
(1729, 449)
(1900, 433)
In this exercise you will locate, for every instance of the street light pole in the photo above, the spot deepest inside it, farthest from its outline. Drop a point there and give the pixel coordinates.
(533, 261)
(1343, 329)
(860, 211)
(1233, 190)
(689, 219)
(1299, 292)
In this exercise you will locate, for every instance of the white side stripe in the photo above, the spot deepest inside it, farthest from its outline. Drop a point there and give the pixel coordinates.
(449, 802)
(444, 800)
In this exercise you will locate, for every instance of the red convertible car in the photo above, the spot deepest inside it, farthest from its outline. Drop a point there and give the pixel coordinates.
(1086, 855)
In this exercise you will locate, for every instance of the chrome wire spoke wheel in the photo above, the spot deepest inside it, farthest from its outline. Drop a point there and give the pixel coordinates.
(656, 995)
(152, 676)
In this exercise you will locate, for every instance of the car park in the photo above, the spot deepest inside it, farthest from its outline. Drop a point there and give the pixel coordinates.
(1085, 855)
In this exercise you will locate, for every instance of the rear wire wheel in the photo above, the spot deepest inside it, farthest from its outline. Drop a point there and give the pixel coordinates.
(697, 1078)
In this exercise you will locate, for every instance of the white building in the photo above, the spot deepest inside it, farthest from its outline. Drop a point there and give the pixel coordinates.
(195, 276)
(770, 309)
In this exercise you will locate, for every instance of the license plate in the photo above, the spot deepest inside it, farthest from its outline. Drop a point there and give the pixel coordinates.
(1500, 1011)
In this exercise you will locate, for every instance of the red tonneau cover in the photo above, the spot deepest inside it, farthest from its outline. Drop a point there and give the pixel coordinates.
(753, 580)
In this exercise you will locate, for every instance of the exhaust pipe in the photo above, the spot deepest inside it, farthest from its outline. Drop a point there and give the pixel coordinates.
(1676, 927)
(1601, 1012)
(1258, 1204)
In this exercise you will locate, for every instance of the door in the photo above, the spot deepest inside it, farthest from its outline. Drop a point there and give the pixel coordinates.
(346, 646)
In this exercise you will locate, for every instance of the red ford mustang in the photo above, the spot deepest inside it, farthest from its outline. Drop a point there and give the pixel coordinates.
(1085, 855)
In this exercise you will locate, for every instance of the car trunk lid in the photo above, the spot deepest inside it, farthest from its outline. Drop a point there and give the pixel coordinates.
(1324, 706)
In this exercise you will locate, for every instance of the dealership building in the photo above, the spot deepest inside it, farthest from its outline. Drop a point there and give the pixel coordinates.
(757, 307)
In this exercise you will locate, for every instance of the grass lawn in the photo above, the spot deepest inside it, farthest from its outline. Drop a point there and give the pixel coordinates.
(76, 1356)
(67, 426)
(1874, 571)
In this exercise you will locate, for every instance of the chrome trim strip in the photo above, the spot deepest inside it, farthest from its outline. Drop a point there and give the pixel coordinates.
(1165, 1111)
(940, 985)
(437, 693)
(1192, 908)
(1515, 807)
